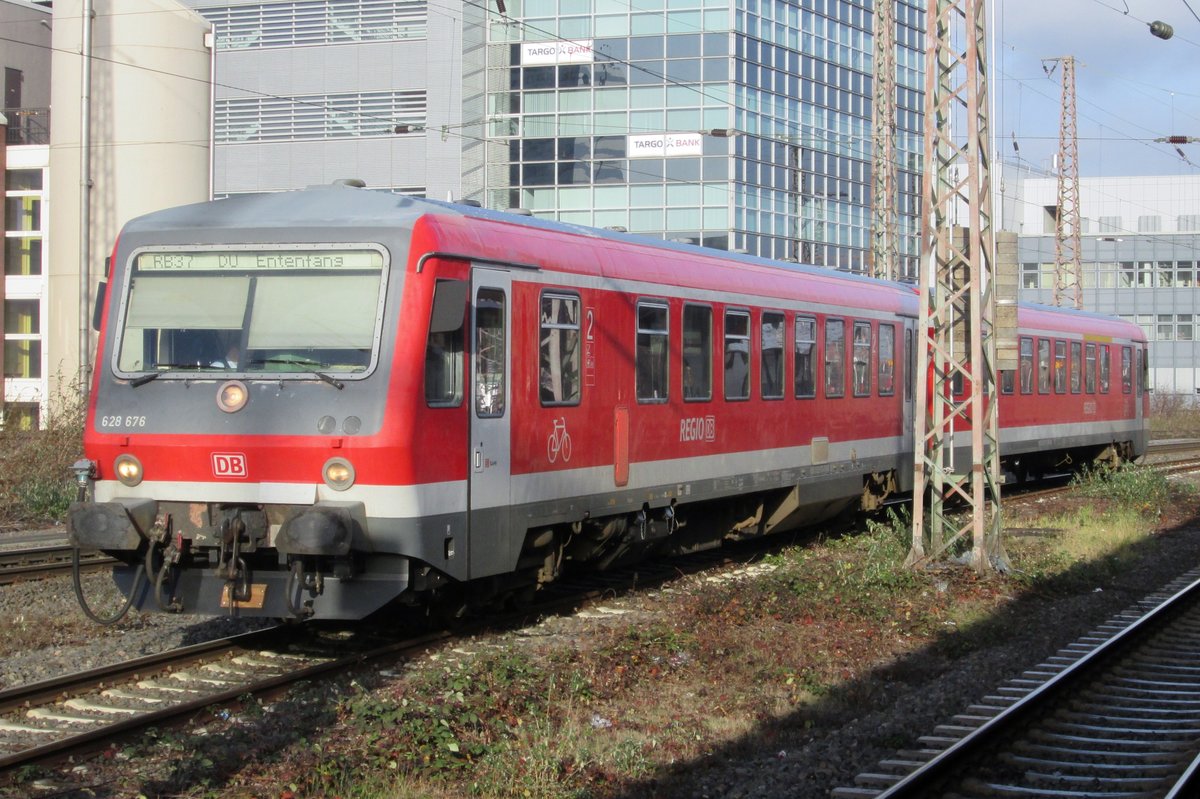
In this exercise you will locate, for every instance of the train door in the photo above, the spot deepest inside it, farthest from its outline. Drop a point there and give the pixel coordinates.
(910, 380)
(491, 420)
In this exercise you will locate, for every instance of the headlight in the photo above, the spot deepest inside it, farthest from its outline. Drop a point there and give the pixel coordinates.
(232, 396)
(128, 469)
(338, 474)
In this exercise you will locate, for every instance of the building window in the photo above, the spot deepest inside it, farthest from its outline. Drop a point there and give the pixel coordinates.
(316, 116)
(22, 339)
(287, 24)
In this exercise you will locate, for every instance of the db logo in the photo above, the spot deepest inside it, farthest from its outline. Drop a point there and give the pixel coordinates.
(229, 464)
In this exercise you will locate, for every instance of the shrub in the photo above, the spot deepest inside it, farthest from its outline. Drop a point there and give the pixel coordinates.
(36, 484)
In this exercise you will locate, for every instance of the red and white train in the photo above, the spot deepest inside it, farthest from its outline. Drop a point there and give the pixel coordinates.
(315, 403)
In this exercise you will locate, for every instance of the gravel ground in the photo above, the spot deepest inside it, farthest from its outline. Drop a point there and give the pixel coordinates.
(917, 693)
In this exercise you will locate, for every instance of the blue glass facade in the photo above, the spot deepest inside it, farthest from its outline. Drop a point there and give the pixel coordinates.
(793, 82)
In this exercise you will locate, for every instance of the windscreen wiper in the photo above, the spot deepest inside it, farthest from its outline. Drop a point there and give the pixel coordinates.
(162, 367)
(304, 364)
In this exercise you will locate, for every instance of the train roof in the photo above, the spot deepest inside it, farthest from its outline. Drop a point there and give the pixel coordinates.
(484, 232)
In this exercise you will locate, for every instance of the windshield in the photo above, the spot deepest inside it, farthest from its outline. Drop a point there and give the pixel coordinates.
(311, 310)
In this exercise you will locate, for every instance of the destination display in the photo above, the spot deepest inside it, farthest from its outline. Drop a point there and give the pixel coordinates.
(257, 260)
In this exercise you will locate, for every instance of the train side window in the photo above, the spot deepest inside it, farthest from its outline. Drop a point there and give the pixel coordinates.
(835, 357)
(1089, 369)
(772, 362)
(887, 360)
(490, 389)
(1043, 365)
(1105, 368)
(1060, 367)
(697, 352)
(1126, 370)
(558, 350)
(653, 339)
(805, 360)
(444, 348)
(737, 355)
(1026, 365)
(1007, 381)
(862, 359)
(1076, 366)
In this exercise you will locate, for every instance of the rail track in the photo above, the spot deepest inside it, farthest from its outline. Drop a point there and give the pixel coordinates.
(80, 712)
(1115, 714)
(36, 563)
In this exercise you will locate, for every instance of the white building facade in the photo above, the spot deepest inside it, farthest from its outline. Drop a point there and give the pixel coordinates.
(1139, 257)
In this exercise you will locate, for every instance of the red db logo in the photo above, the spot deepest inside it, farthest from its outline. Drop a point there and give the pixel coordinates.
(229, 464)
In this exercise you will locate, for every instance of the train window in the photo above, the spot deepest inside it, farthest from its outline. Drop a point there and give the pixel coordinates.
(1043, 365)
(772, 366)
(558, 350)
(737, 355)
(1089, 369)
(862, 359)
(490, 389)
(835, 357)
(1105, 367)
(1026, 365)
(444, 348)
(1060, 367)
(887, 360)
(805, 363)
(1126, 370)
(697, 352)
(1007, 381)
(1076, 366)
(653, 336)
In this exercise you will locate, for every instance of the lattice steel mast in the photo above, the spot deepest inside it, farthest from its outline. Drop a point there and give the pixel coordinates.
(957, 305)
(884, 257)
(1067, 271)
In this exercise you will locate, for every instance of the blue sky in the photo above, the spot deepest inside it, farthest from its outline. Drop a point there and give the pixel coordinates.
(1131, 87)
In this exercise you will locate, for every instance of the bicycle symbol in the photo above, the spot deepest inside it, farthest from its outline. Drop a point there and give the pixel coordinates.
(559, 441)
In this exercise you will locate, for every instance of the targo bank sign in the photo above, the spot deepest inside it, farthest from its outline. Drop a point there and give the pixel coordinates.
(578, 52)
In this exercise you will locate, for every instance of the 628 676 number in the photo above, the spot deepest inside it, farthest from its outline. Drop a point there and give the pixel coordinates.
(122, 421)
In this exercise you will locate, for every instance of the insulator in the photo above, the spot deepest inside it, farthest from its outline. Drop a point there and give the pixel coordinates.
(1161, 29)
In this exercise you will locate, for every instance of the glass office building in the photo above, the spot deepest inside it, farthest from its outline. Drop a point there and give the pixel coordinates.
(736, 124)
(739, 125)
